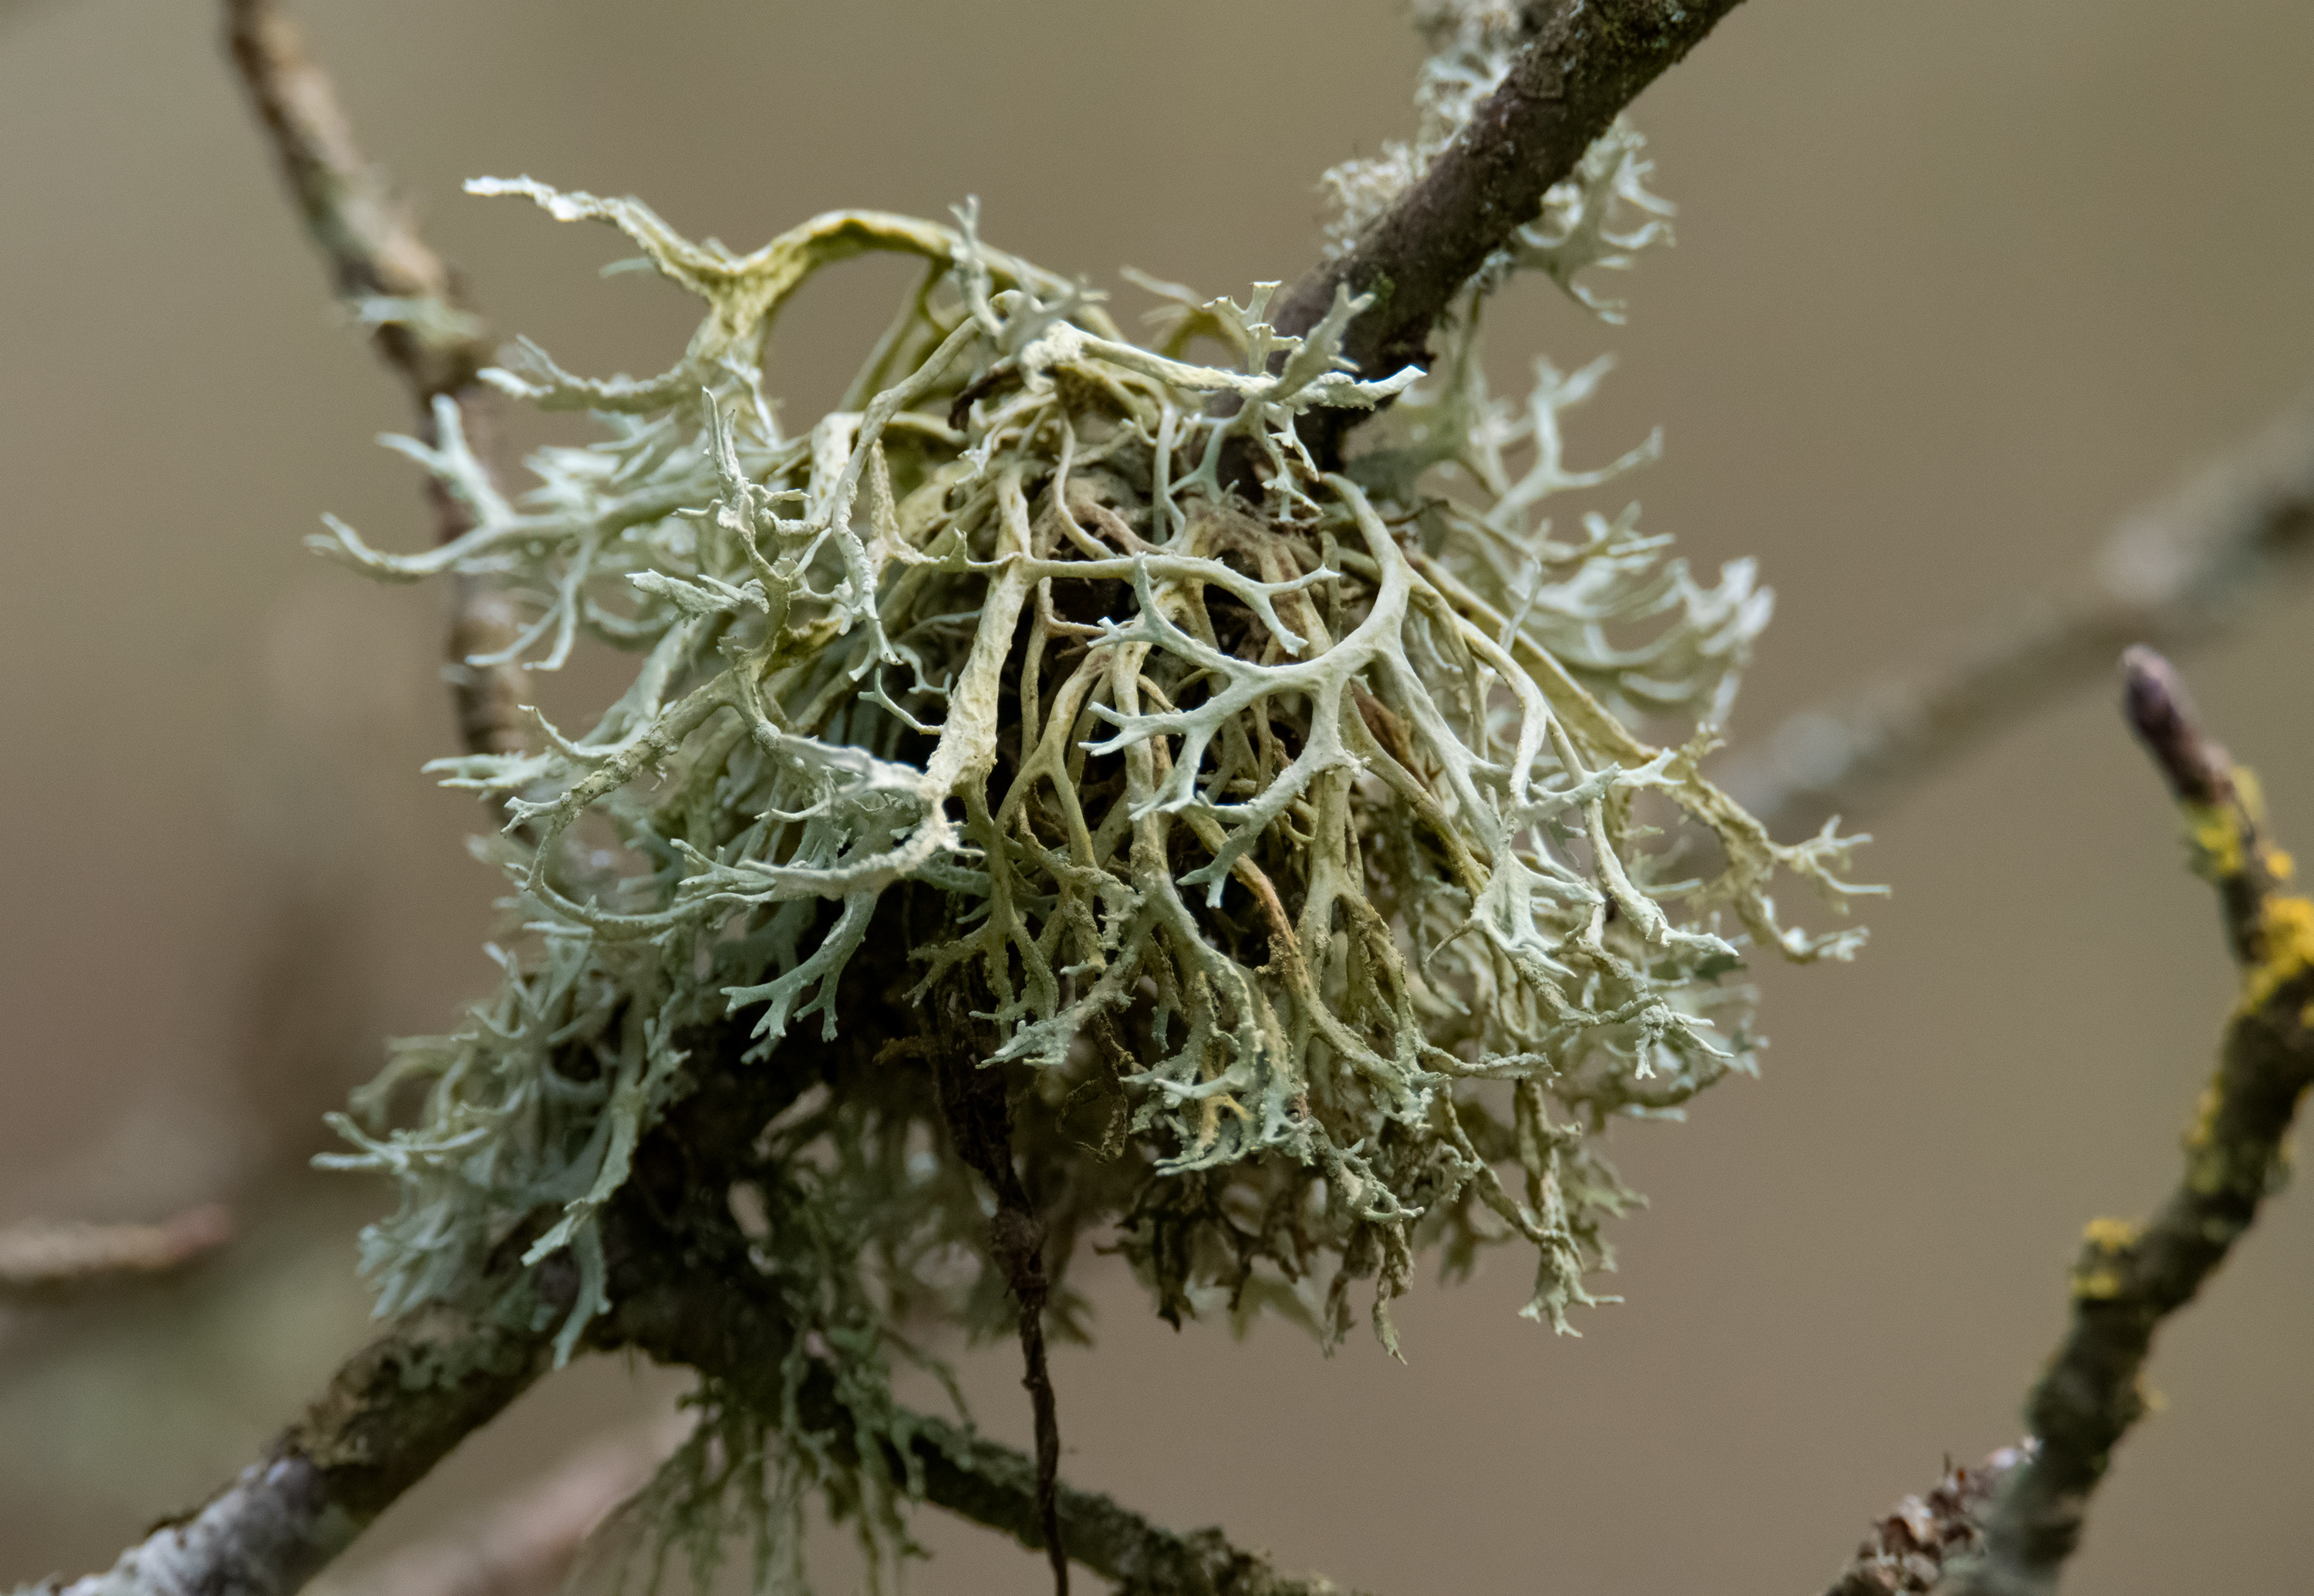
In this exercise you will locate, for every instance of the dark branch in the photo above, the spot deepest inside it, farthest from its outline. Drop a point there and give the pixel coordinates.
(684, 1292)
(390, 281)
(1585, 61)
(973, 1103)
(2129, 1278)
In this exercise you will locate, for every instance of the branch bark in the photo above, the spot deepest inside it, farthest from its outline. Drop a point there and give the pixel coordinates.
(422, 327)
(2129, 1278)
(1585, 61)
(1905, 1553)
(2175, 573)
(394, 1411)
(683, 1292)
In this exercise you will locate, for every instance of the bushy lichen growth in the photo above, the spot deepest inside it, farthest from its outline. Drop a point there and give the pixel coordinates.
(1294, 830)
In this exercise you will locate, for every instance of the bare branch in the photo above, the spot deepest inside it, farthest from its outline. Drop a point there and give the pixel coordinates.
(975, 1107)
(1587, 60)
(411, 298)
(2131, 1277)
(2175, 573)
(48, 1260)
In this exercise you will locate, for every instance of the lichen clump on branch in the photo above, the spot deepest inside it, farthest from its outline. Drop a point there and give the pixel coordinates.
(1293, 828)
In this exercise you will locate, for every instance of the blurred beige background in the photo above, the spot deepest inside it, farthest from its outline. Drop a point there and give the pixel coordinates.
(1958, 281)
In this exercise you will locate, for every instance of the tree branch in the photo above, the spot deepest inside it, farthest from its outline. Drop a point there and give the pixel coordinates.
(394, 1410)
(49, 1260)
(413, 303)
(2174, 573)
(1585, 61)
(683, 1292)
(2129, 1277)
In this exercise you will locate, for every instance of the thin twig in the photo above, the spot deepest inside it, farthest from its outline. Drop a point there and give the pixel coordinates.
(973, 1103)
(48, 1259)
(1585, 61)
(2129, 1277)
(2175, 573)
(684, 1291)
(411, 300)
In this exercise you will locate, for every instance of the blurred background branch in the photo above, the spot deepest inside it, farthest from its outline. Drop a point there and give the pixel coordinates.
(44, 1260)
(2182, 571)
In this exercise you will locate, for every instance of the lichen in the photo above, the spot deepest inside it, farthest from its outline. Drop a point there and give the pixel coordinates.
(1300, 831)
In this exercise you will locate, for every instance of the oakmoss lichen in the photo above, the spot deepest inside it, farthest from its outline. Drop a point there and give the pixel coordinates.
(1295, 827)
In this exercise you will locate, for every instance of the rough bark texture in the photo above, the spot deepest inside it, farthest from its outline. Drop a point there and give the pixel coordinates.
(395, 1409)
(2129, 1277)
(1587, 60)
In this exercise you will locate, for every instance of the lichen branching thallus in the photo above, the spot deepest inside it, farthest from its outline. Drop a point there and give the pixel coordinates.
(1301, 843)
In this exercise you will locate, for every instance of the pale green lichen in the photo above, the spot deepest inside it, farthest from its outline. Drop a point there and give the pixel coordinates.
(1327, 804)
(1305, 840)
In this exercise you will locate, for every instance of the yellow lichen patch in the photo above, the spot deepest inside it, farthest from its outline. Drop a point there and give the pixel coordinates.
(2101, 1274)
(2217, 834)
(2252, 795)
(2208, 1169)
(2205, 1117)
(2285, 942)
(2280, 865)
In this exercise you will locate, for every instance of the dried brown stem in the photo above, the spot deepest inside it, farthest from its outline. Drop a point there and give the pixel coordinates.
(2129, 1277)
(50, 1259)
(2178, 572)
(388, 280)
